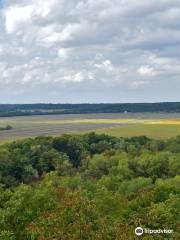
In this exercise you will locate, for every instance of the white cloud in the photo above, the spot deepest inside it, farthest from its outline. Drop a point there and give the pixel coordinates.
(16, 15)
(43, 8)
(105, 65)
(160, 66)
(77, 77)
(146, 71)
(89, 45)
(65, 34)
(63, 53)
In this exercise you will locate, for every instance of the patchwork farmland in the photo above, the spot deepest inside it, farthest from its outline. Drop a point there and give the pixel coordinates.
(157, 125)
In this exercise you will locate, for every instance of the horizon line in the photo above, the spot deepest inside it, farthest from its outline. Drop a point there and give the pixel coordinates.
(83, 103)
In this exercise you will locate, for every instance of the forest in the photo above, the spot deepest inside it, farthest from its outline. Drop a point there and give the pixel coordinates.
(8, 110)
(89, 187)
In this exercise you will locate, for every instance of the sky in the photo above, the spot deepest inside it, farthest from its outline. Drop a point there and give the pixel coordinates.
(79, 51)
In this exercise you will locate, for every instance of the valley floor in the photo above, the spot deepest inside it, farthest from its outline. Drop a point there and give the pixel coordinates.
(155, 125)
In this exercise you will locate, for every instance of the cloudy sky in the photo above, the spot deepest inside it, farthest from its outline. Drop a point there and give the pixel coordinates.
(89, 51)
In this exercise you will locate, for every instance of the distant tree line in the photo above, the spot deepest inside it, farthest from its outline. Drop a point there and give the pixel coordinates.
(41, 109)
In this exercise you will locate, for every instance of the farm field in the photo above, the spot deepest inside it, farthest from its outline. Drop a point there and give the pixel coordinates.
(155, 125)
(156, 131)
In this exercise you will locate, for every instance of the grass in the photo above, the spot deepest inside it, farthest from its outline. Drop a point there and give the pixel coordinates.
(157, 131)
(157, 126)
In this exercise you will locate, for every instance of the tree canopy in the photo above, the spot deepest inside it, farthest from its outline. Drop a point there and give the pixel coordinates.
(89, 187)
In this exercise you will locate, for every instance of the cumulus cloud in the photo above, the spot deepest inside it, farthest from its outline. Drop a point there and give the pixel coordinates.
(146, 71)
(86, 50)
(17, 15)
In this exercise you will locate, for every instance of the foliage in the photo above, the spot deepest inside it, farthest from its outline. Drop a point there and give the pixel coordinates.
(7, 127)
(44, 109)
(88, 187)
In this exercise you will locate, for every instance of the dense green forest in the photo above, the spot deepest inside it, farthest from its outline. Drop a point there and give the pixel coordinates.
(89, 187)
(41, 109)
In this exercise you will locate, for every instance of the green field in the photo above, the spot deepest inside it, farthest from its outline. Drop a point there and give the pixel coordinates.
(157, 131)
(157, 125)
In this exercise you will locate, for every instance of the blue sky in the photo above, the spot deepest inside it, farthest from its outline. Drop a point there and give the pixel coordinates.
(89, 51)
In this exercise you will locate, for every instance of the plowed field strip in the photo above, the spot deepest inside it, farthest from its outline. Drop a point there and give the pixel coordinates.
(52, 130)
